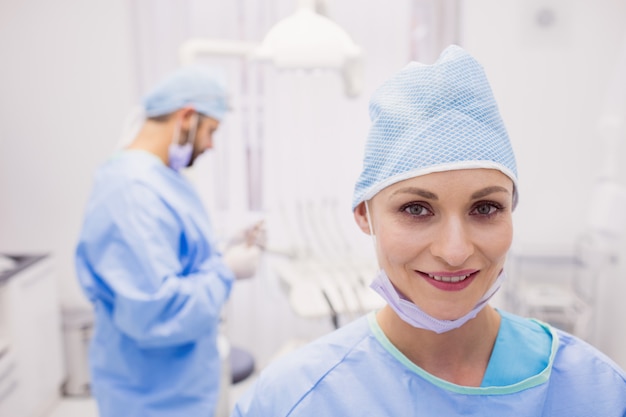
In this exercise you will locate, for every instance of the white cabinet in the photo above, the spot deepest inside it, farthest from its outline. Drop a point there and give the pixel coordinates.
(30, 325)
(9, 396)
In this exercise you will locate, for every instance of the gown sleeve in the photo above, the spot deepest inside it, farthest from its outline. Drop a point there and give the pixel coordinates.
(160, 278)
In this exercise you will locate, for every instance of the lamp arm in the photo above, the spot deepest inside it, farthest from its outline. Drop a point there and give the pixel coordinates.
(193, 48)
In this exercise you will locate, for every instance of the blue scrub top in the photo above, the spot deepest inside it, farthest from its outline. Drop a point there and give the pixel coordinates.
(534, 371)
(147, 261)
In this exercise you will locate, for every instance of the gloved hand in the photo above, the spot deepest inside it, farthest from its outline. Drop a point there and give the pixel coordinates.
(252, 235)
(243, 259)
(243, 251)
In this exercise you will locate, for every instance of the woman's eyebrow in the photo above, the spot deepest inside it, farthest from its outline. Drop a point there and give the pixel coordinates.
(489, 190)
(416, 191)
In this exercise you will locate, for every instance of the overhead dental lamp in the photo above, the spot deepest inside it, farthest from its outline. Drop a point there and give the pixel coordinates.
(305, 40)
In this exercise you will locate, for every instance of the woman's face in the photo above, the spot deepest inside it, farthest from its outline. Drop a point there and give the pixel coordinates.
(442, 238)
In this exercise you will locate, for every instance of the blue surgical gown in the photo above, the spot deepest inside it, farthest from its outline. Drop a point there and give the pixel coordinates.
(146, 260)
(534, 371)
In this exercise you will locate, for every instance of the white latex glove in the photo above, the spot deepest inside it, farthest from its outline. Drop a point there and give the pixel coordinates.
(251, 235)
(243, 259)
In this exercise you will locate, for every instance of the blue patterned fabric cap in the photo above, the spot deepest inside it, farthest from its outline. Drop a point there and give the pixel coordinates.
(431, 118)
(194, 86)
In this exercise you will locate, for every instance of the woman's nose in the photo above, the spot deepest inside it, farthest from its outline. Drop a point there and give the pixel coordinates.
(452, 243)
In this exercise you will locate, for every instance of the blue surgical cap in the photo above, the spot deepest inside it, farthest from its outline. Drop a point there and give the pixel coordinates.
(193, 86)
(431, 118)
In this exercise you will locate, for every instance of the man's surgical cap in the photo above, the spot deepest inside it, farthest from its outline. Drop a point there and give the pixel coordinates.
(431, 118)
(191, 86)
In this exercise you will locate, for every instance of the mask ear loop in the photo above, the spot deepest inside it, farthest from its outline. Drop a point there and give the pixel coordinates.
(176, 136)
(369, 223)
(195, 121)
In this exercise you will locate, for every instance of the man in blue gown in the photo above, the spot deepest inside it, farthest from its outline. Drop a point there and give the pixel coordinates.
(147, 260)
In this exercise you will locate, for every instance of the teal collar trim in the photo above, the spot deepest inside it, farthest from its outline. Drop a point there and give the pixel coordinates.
(525, 384)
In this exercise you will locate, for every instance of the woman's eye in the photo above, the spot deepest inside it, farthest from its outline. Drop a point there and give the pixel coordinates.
(416, 210)
(486, 209)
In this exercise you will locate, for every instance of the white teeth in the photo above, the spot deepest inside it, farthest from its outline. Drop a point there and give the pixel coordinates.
(448, 279)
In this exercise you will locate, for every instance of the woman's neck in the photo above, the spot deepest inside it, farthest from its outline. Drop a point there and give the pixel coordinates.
(459, 356)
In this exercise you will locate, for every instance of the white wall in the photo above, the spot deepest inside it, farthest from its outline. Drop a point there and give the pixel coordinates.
(66, 83)
(551, 82)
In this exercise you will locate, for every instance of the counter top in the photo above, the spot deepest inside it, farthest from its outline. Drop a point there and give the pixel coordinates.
(22, 262)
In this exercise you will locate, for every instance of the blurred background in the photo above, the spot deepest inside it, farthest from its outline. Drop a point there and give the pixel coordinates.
(72, 73)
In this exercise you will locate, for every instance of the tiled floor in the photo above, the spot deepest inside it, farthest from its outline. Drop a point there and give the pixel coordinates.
(75, 407)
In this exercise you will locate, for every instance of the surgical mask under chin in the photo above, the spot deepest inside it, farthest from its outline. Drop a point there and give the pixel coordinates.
(410, 312)
(415, 316)
(179, 155)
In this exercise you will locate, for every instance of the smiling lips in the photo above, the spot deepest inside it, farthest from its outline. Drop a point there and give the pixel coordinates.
(450, 281)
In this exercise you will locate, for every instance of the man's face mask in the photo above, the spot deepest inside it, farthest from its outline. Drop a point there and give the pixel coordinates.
(179, 155)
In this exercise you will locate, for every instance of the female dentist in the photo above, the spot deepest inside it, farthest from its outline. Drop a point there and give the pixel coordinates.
(437, 191)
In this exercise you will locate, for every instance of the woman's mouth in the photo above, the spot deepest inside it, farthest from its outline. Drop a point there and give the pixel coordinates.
(449, 278)
(446, 281)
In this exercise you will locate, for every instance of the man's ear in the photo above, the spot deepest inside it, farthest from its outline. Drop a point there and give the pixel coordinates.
(360, 215)
(185, 114)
